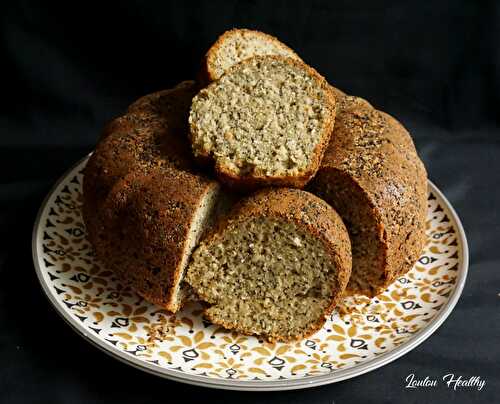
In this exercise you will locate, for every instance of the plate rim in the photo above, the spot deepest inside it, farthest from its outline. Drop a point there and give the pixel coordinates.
(253, 385)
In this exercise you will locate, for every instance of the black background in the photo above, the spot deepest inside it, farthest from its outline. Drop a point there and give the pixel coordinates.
(67, 69)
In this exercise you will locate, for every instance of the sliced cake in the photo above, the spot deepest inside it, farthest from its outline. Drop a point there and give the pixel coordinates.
(144, 202)
(372, 176)
(154, 221)
(265, 122)
(274, 267)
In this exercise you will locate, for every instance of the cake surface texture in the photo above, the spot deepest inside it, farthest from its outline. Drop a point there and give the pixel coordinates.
(266, 121)
(275, 266)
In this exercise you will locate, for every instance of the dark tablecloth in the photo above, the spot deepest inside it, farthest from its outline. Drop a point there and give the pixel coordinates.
(68, 69)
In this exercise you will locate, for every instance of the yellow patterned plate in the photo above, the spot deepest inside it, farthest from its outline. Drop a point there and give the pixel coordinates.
(360, 336)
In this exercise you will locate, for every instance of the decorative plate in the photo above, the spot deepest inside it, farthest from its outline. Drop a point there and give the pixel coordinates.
(360, 336)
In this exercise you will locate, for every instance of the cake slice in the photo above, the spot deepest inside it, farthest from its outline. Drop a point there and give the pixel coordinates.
(236, 45)
(372, 176)
(274, 267)
(265, 122)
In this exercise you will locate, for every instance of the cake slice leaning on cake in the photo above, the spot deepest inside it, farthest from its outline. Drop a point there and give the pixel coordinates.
(266, 121)
(276, 266)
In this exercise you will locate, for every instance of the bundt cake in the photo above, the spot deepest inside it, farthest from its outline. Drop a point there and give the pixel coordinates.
(236, 45)
(144, 203)
(266, 121)
(281, 259)
(275, 266)
(372, 176)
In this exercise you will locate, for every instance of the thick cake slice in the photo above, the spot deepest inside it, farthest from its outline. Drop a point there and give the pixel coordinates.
(236, 45)
(372, 176)
(275, 266)
(265, 122)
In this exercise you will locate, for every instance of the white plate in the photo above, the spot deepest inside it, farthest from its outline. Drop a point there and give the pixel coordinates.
(362, 336)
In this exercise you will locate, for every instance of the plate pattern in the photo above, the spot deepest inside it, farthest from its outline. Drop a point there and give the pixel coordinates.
(359, 330)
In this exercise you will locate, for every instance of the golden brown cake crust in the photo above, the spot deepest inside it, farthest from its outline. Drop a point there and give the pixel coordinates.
(254, 180)
(307, 212)
(339, 94)
(207, 74)
(140, 173)
(377, 154)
